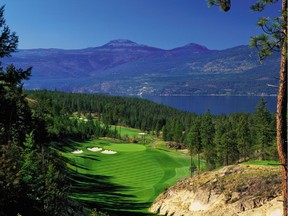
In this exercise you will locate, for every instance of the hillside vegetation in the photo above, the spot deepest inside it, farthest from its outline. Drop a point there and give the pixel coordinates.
(233, 190)
(220, 140)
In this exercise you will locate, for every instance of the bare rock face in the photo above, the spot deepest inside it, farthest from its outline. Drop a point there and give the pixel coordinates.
(234, 190)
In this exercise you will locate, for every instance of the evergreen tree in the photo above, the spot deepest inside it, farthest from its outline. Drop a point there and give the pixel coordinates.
(264, 129)
(194, 143)
(207, 131)
(244, 139)
(14, 112)
(273, 38)
(230, 151)
(8, 39)
(220, 130)
(177, 131)
(31, 183)
(11, 190)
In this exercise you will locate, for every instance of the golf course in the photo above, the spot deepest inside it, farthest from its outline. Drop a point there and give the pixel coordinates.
(115, 176)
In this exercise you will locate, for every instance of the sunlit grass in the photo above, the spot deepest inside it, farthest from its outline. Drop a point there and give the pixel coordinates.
(131, 132)
(263, 163)
(140, 170)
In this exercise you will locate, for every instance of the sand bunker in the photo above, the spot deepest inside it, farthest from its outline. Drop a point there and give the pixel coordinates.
(95, 149)
(108, 152)
(77, 151)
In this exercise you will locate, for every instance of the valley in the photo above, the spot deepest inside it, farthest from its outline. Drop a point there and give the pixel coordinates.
(77, 137)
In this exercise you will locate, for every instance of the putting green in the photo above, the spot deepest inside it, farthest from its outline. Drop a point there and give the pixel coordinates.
(140, 171)
(126, 147)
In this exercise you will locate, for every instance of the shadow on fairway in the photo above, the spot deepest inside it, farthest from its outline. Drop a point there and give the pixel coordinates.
(95, 191)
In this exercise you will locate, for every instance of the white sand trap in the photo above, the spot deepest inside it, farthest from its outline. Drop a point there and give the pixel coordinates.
(95, 149)
(77, 151)
(198, 206)
(108, 152)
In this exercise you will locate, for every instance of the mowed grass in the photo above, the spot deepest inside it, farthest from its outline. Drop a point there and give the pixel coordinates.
(133, 133)
(137, 173)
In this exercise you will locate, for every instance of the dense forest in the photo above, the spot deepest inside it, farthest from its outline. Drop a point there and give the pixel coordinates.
(220, 139)
(33, 175)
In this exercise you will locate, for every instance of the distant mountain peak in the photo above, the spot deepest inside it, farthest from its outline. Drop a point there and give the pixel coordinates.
(191, 48)
(195, 46)
(122, 43)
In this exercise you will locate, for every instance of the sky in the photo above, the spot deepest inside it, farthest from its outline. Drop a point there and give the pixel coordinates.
(166, 24)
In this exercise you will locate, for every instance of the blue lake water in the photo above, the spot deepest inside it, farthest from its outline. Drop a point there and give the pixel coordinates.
(216, 104)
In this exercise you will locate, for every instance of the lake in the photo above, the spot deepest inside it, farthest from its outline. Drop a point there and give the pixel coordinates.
(216, 104)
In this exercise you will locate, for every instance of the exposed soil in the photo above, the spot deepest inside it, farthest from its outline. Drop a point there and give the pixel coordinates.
(234, 190)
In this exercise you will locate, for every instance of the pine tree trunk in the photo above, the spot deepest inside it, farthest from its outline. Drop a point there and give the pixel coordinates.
(281, 112)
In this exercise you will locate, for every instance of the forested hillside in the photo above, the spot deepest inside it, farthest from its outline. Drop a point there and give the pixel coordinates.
(220, 139)
(110, 110)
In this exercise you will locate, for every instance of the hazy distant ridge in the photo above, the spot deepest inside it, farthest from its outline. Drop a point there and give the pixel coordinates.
(123, 67)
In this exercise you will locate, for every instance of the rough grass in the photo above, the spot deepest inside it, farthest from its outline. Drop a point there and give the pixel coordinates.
(264, 163)
(248, 180)
(128, 180)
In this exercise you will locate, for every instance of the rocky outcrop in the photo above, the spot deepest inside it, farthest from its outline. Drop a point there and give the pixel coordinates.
(234, 190)
(175, 145)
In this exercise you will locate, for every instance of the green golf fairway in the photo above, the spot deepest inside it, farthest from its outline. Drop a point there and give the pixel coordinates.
(128, 180)
(127, 131)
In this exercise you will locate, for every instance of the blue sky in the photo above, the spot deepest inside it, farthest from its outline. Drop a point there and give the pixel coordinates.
(74, 24)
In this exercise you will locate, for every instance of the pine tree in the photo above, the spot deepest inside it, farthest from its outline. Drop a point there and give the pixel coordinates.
(194, 143)
(273, 38)
(14, 111)
(264, 129)
(207, 131)
(244, 137)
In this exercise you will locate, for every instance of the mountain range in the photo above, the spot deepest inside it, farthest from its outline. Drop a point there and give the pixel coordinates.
(123, 67)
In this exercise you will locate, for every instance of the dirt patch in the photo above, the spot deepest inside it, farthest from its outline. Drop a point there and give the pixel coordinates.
(233, 190)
